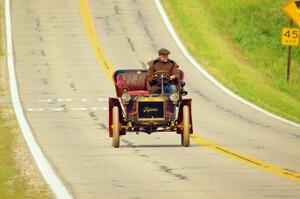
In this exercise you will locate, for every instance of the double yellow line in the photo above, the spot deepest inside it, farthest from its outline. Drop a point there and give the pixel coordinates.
(95, 44)
(246, 159)
(90, 29)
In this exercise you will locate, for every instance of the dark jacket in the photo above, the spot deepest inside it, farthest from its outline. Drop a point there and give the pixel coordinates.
(170, 68)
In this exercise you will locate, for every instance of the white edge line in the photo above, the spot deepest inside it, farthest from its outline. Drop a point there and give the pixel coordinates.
(207, 75)
(49, 175)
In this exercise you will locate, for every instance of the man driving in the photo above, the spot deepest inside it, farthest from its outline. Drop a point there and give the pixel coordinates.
(167, 67)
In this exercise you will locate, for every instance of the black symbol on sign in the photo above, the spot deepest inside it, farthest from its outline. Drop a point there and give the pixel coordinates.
(297, 4)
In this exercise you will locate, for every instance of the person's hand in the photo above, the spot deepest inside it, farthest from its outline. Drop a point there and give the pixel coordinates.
(172, 77)
(154, 76)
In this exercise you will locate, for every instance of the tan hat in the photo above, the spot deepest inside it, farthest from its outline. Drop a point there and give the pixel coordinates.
(164, 51)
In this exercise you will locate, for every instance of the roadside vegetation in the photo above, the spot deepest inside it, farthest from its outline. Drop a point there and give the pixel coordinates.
(238, 42)
(19, 178)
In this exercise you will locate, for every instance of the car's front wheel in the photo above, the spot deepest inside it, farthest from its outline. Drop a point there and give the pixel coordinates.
(185, 136)
(116, 128)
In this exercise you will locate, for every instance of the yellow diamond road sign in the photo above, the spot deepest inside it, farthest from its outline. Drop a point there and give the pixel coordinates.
(290, 36)
(293, 10)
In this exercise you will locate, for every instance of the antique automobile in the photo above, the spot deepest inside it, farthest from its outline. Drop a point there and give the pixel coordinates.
(136, 109)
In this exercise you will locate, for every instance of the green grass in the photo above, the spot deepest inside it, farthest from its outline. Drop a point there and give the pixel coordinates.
(238, 42)
(13, 184)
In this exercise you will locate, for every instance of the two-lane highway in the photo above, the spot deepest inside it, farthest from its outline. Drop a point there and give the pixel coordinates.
(64, 89)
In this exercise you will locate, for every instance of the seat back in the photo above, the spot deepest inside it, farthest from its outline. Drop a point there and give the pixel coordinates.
(133, 80)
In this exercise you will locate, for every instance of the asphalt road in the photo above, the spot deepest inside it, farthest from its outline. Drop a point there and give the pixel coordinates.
(64, 92)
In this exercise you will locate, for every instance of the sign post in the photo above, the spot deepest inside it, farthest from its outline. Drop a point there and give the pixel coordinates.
(290, 36)
(289, 58)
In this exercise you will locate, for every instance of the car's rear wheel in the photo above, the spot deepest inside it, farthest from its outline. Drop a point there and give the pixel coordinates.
(185, 136)
(116, 128)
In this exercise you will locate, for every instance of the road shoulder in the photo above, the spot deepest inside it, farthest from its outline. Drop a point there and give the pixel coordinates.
(19, 175)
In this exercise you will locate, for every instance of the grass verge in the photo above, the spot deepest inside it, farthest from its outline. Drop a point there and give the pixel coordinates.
(19, 178)
(238, 42)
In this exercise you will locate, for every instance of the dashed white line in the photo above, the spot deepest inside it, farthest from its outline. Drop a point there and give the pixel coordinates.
(35, 109)
(102, 99)
(95, 108)
(70, 100)
(60, 109)
(79, 109)
(64, 100)
(57, 109)
(44, 100)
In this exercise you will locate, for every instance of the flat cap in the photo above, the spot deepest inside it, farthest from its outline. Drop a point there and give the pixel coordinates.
(163, 51)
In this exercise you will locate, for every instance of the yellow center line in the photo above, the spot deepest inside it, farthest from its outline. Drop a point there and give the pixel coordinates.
(246, 159)
(91, 32)
(92, 35)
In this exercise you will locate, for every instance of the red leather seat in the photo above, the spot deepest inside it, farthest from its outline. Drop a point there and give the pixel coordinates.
(138, 92)
(135, 81)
